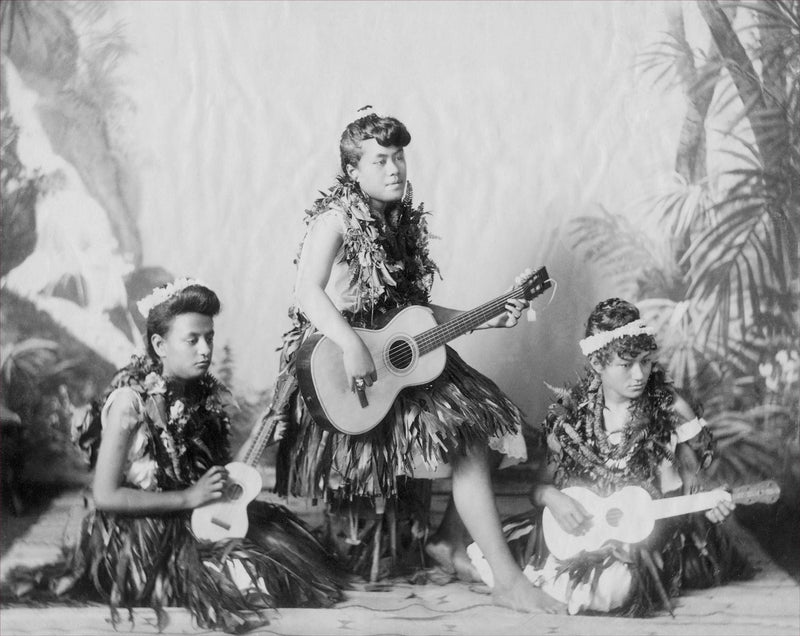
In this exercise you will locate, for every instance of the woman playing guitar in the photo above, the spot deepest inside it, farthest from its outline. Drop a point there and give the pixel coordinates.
(366, 254)
(622, 425)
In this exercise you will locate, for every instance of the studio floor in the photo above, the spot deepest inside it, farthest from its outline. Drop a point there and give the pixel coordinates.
(768, 605)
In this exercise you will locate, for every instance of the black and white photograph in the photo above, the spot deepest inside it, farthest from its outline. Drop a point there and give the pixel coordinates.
(409, 317)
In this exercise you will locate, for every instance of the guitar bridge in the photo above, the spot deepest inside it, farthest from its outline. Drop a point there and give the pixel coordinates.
(220, 523)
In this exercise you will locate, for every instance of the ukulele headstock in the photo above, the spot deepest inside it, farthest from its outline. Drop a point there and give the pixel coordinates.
(762, 492)
(531, 284)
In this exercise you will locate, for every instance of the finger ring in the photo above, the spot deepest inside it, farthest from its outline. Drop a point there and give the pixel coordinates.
(360, 383)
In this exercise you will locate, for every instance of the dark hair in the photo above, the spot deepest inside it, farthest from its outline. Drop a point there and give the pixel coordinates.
(387, 131)
(192, 299)
(611, 314)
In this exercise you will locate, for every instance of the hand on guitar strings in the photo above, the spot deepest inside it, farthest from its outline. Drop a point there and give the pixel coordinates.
(514, 307)
(568, 512)
(210, 487)
(359, 365)
(510, 318)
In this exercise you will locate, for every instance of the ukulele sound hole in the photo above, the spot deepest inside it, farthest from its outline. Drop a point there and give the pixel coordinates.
(234, 492)
(400, 354)
(613, 517)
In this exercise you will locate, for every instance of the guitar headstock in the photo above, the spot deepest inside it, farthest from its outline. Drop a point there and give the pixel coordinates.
(532, 284)
(762, 492)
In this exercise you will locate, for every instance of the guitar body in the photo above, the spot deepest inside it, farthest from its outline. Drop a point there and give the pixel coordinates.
(627, 516)
(227, 518)
(325, 386)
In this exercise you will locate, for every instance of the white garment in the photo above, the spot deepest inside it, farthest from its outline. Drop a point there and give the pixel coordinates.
(140, 468)
(613, 586)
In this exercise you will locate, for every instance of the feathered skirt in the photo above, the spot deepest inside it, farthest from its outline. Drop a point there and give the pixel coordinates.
(624, 579)
(156, 561)
(458, 410)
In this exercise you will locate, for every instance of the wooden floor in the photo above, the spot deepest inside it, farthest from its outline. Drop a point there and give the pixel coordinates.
(769, 605)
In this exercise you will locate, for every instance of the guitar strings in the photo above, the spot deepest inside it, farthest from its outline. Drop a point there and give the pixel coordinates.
(425, 339)
(446, 331)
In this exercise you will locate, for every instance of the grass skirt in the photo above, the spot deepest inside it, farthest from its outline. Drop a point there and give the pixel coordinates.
(682, 552)
(156, 561)
(459, 409)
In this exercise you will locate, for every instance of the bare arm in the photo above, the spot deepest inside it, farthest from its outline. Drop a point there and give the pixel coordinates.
(107, 489)
(569, 513)
(689, 469)
(316, 261)
(687, 463)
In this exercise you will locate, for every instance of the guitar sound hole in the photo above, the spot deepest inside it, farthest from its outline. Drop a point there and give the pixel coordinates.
(613, 517)
(235, 491)
(400, 354)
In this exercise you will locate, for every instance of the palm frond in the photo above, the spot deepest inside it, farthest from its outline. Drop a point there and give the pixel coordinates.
(624, 252)
(683, 205)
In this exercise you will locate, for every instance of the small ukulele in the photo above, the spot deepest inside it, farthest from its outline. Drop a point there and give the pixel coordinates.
(408, 351)
(629, 514)
(227, 518)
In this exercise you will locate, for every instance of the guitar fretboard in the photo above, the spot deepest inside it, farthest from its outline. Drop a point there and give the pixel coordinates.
(268, 422)
(765, 491)
(252, 455)
(441, 334)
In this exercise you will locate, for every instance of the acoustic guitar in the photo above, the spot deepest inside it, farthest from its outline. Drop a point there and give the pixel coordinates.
(227, 518)
(408, 351)
(629, 514)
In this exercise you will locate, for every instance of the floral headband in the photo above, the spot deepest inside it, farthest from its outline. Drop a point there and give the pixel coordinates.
(596, 342)
(164, 293)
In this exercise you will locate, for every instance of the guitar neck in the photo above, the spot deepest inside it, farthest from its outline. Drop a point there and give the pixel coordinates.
(259, 442)
(762, 492)
(285, 385)
(465, 322)
(685, 504)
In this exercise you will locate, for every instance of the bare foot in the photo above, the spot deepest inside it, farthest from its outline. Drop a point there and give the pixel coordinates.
(524, 597)
(442, 554)
(453, 561)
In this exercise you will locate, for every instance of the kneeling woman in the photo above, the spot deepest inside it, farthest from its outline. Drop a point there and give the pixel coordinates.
(165, 441)
(623, 425)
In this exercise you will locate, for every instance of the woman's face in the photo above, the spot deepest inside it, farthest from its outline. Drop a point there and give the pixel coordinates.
(381, 171)
(187, 347)
(623, 379)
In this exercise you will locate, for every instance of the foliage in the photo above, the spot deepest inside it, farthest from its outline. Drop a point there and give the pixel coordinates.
(35, 380)
(66, 52)
(19, 191)
(724, 297)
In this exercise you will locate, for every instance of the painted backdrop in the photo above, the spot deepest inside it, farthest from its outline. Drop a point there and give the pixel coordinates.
(219, 124)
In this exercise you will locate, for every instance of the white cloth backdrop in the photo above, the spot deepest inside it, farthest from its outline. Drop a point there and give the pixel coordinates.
(523, 115)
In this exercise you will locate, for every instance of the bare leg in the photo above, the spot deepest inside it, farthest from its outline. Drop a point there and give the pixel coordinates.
(474, 501)
(448, 545)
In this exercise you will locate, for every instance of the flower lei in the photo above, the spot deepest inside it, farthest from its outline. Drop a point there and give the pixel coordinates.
(579, 446)
(390, 264)
(184, 437)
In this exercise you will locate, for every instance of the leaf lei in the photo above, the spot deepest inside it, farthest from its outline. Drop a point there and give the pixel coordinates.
(579, 447)
(390, 264)
(188, 421)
